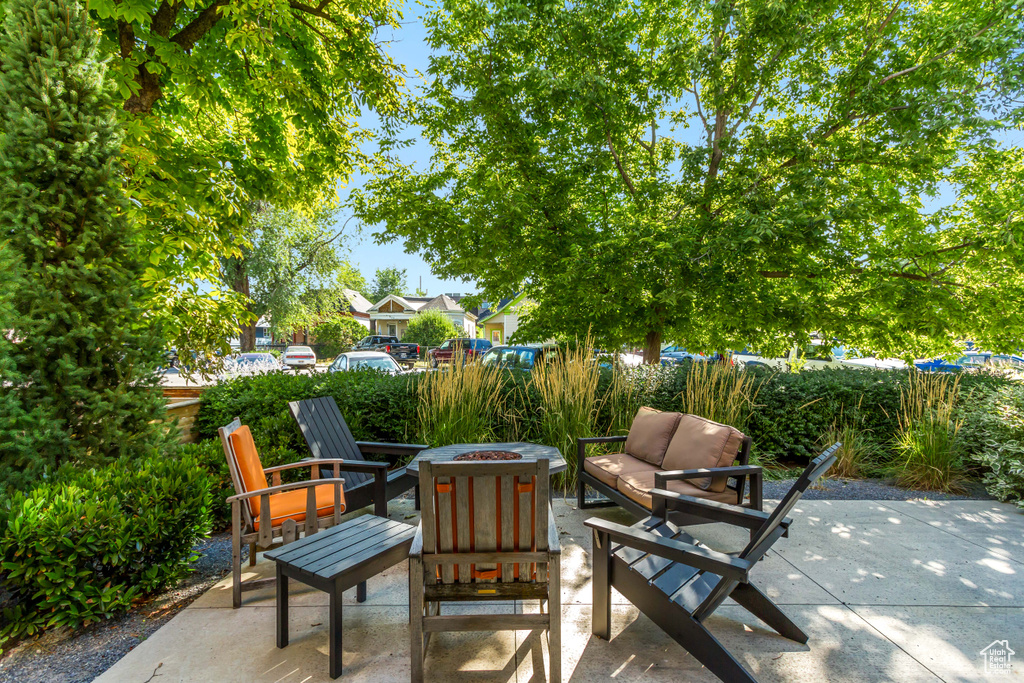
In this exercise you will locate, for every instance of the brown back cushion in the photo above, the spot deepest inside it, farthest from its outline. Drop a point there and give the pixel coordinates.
(650, 433)
(702, 443)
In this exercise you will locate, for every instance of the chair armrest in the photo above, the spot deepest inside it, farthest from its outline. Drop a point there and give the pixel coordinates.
(390, 448)
(305, 462)
(677, 551)
(368, 466)
(753, 471)
(416, 549)
(281, 488)
(733, 471)
(708, 509)
(554, 545)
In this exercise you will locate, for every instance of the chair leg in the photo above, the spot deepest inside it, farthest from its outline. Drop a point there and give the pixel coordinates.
(252, 554)
(236, 556)
(555, 619)
(416, 649)
(706, 649)
(602, 558)
(761, 606)
(361, 592)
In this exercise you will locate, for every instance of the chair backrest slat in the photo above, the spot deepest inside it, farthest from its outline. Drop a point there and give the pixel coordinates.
(485, 507)
(327, 435)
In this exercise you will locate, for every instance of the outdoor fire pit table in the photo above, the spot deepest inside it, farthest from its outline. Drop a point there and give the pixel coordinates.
(528, 451)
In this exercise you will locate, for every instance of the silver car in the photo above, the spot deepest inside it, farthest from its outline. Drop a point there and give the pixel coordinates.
(366, 360)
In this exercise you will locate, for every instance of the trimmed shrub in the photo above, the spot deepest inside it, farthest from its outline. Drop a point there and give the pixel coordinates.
(430, 328)
(991, 437)
(209, 457)
(83, 547)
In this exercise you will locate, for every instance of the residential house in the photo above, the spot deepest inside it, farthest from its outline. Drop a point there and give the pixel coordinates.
(359, 307)
(391, 315)
(500, 321)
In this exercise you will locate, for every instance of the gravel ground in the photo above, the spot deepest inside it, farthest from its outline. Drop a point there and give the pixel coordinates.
(869, 489)
(57, 658)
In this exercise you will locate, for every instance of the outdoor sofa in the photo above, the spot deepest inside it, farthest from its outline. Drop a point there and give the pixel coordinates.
(685, 454)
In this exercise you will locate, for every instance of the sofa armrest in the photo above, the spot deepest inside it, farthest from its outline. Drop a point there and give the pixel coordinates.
(581, 446)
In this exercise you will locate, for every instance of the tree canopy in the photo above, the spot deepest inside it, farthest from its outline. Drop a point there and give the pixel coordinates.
(725, 174)
(430, 328)
(291, 271)
(390, 280)
(81, 355)
(227, 103)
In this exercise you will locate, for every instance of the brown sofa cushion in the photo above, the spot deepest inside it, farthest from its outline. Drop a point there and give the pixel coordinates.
(701, 443)
(607, 468)
(637, 486)
(650, 434)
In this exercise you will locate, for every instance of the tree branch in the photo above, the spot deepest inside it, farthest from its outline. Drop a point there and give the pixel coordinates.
(200, 26)
(618, 162)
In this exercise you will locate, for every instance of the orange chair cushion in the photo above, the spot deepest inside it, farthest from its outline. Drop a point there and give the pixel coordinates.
(292, 505)
(250, 469)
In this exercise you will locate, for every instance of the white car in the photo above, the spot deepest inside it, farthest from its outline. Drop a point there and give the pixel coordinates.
(298, 357)
(366, 360)
(815, 356)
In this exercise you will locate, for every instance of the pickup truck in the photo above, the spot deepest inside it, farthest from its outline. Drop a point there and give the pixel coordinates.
(403, 353)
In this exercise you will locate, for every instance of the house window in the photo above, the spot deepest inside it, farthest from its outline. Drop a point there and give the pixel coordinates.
(495, 336)
(392, 330)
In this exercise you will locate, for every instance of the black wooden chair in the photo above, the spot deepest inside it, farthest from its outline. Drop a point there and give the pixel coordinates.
(678, 583)
(329, 437)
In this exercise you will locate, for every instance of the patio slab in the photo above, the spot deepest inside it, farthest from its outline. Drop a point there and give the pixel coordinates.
(887, 591)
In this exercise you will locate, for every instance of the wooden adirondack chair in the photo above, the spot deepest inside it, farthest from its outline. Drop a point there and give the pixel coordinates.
(486, 533)
(328, 436)
(678, 583)
(265, 514)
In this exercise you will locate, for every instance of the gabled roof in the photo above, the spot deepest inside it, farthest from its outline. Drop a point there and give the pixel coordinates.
(357, 302)
(501, 307)
(401, 301)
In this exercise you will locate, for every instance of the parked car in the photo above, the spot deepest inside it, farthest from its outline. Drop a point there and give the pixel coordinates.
(251, 364)
(519, 357)
(972, 360)
(404, 353)
(671, 355)
(298, 357)
(445, 353)
(815, 356)
(366, 360)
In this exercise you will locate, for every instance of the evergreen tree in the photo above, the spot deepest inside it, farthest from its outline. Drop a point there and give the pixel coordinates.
(83, 355)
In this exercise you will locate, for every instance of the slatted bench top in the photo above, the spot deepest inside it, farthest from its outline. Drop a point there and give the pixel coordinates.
(344, 548)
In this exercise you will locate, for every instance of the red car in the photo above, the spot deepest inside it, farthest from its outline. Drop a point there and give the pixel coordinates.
(445, 353)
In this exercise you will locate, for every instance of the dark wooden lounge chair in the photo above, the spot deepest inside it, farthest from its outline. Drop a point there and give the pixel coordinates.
(678, 583)
(486, 533)
(328, 436)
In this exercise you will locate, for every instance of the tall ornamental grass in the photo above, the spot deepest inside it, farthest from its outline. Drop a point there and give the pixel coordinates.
(460, 404)
(567, 386)
(927, 456)
(719, 392)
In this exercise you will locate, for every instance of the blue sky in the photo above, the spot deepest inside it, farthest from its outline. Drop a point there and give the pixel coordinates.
(407, 47)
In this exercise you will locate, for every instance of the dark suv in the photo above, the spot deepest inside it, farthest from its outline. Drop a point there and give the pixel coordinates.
(445, 353)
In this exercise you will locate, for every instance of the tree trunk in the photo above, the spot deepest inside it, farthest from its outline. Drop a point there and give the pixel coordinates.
(247, 333)
(652, 348)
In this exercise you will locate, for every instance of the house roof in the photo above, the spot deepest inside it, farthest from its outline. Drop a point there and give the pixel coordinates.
(357, 303)
(441, 303)
(486, 315)
(412, 303)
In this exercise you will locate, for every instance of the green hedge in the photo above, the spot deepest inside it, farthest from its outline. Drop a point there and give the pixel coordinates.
(81, 548)
(791, 415)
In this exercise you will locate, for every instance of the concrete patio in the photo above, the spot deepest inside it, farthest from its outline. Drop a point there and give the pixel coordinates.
(900, 591)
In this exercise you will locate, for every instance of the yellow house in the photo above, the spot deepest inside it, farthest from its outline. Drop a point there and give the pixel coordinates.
(500, 323)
